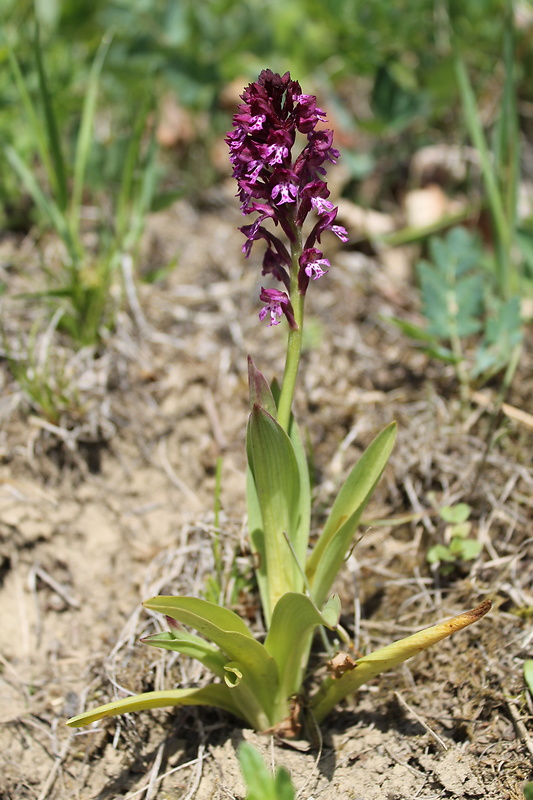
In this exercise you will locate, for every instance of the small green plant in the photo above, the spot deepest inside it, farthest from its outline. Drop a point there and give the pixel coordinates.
(260, 783)
(468, 290)
(458, 547)
(83, 287)
(265, 683)
(459, 302)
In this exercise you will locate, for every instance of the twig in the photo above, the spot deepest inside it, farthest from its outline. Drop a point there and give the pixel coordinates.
(151, 789)
(516, 414)
(173, 478)
(419, 719)
(198, 775)
(39, 572)
(519, 726)
(163, 776)
(49, 782)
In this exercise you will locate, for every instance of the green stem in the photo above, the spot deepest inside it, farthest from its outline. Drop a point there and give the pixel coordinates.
(294, 344)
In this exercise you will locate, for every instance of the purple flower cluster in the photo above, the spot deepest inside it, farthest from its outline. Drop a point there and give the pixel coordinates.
(278, 187)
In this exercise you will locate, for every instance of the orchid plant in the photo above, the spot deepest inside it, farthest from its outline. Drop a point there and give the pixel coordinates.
(265, 683)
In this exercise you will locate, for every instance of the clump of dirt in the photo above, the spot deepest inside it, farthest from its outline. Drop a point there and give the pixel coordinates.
(115, 502)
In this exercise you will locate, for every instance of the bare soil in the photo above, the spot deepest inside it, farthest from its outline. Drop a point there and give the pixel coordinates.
(114, 503)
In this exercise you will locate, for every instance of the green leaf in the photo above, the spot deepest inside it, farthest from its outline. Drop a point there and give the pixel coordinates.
(46, 205)
(439, 552)
(275, 472)
(301, 535)
(294, 619)
(465, 549)
(217, 695)
(230, 634)
(528, 791)
(364, 669)
(83, 145)
(528, 674)
(336, 538)
(260, 784)
(259, 390)
(457, 513)
(59, 177)
(503, 332)
(190, 645)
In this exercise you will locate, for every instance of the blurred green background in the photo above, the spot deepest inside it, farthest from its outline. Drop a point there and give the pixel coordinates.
(383, 68)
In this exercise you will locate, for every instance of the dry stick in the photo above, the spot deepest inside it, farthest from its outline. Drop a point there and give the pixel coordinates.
(198, 776)
(173, 478)
(142, 323)
(162, 777)
(519, 726)
(497, 412)
(419, 719)
(39, 572)
(49, 782)
(151, 789)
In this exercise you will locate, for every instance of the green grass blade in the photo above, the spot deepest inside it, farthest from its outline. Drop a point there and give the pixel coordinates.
(336, 538)
(501, 224)
(217, 695)
(131, 163)
(46, 205)
(31, 113)
(59, 172)
(83, 144)
(364, 669)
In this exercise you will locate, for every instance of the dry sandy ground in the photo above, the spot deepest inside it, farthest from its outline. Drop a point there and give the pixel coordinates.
(116, 505)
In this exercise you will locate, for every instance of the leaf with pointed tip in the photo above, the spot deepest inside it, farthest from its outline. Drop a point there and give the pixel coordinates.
(336, 538)
(368, 667)
(190, 645)
(276, 477)
(260, 392)
(218, 695)
(293, 622)
(230, 634)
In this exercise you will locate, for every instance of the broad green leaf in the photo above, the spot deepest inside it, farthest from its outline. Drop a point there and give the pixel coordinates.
(336, 538)
(288, 641)
(198, 610)
(364, 669)
(528, 791)
(276, 476)
(439, 552)
(230, 634)
(257, 539)
(217, 695)
(465, 549)
(301, 536)
(190, 645)
(457, 513)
